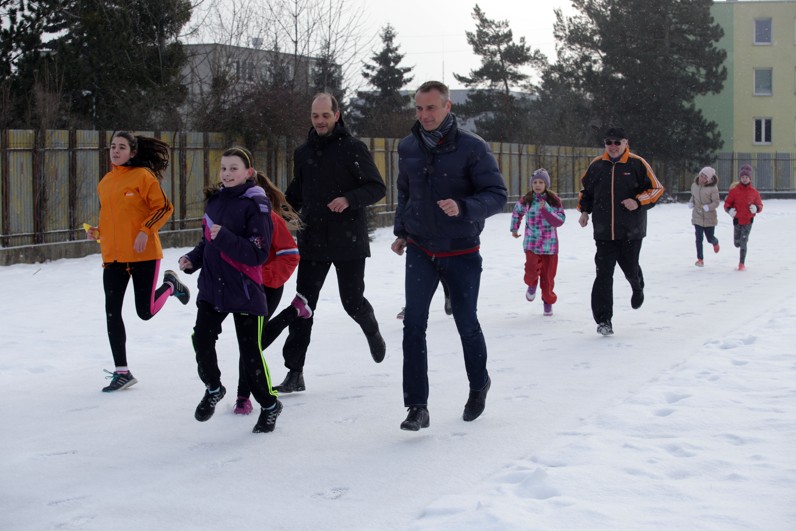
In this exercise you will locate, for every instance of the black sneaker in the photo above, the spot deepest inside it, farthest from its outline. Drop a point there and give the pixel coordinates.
(267, 421)
(448, 307)
(119, 381)
(293, 383)
(207, 406)
(476, 402)
(180, 290)
(605, 328)
(417, 418)
(378, 348)
(637, 299)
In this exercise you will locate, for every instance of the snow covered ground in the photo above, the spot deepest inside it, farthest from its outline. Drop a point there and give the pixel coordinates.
(684, 419)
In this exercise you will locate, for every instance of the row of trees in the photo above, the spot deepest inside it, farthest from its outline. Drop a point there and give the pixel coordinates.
(119, 63)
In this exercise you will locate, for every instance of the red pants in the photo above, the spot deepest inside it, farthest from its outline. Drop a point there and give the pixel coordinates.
(542, 268)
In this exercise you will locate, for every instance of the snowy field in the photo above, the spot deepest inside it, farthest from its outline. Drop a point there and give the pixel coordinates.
(684, 419)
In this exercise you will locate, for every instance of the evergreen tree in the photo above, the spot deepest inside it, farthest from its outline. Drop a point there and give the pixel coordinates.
(639, 65)
(327, 76)
(500, 115)
(384, 111)
(111, 64)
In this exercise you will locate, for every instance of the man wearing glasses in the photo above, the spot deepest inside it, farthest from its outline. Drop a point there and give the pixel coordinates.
(618, 189)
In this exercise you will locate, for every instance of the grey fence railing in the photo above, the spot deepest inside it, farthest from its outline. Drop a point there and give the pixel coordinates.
(48, 179)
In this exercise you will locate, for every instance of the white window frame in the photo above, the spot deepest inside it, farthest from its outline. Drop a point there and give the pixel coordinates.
(755, 90)
(762, 121)
(770, 32)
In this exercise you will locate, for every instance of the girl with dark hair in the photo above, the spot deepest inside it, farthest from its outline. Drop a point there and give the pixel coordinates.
(237, 239)
(133, 207)
(283, 257)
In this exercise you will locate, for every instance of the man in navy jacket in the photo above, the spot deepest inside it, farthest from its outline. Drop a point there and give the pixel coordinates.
(448, 184)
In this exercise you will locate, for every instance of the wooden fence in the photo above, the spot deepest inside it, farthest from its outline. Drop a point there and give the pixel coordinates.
(48, 179)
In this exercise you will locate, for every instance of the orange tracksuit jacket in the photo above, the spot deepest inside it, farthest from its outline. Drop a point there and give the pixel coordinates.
(131, 201)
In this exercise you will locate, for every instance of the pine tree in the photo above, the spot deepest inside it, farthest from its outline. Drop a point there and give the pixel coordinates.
(385, 111)
(639, 65)
(500, 115)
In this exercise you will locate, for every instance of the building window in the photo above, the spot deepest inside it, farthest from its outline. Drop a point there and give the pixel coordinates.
(763, 81)
(763, 31)
(762, 130)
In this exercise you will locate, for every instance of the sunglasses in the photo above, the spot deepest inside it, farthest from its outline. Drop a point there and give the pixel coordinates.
(613, 142)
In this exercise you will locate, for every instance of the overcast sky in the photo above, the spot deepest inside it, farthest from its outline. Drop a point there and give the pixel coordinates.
(432, 34)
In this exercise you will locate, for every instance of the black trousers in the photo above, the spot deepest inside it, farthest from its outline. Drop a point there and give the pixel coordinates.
(609, 254)
(271, 330)
(148, 299)
(309, 281)
(252, 362)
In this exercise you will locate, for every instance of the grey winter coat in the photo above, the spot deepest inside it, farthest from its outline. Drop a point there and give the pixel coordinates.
(701, 195)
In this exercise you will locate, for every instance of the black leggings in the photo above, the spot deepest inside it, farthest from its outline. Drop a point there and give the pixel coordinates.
(148, 299)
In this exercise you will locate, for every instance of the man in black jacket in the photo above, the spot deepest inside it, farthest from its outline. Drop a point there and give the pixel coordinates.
(448, 184)
(618, 189)
(334, 182)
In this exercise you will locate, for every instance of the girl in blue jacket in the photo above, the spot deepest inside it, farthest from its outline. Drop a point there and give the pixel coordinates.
(237, 238)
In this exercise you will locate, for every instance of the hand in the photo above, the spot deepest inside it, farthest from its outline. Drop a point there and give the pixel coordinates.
(630, 204)
(185, 263)
(753, 209)
(338, 204)
(214, 230)
(449, 206)
(140, 242)
(731, 212)
(706, 208)
(584, 219)
(515, 234)
(398, 246)
(690, 204)
(92, 233)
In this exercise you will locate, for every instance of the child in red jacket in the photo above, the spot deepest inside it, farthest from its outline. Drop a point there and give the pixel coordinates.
(743, 203)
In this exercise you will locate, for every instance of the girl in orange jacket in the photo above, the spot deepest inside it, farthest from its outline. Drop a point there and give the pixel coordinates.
(133, 207)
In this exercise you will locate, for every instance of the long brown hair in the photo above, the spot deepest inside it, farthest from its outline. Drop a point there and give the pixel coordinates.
(279, 201)
(150, 153)
(550, 197)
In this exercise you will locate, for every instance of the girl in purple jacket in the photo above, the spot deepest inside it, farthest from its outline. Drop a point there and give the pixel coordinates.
(542, 211)
(237, 238)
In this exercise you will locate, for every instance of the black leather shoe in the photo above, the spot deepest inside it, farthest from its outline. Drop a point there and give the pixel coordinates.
(417, 418)
(637, 299)
(476, 403)
(293, 383)
(378, 348)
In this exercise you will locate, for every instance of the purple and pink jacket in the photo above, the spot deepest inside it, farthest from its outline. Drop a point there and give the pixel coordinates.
(541, 220)
(232, 276)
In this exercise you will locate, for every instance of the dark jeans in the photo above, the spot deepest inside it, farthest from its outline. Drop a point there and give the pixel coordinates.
(309, 280)
(609, 253)
(247, 328)
(708, 233)
(462, 275)
(148, 300)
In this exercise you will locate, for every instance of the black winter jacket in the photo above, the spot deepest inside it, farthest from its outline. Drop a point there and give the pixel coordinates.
(606, 184)
(324, 168)
(462, 168)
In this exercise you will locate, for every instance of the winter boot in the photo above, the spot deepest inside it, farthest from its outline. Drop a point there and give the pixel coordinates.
(548, 309)
(293, 383)
(605, 328)
(531, 293)
(699, 263)
(476, 402)
(637, 299)
(418, 418)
